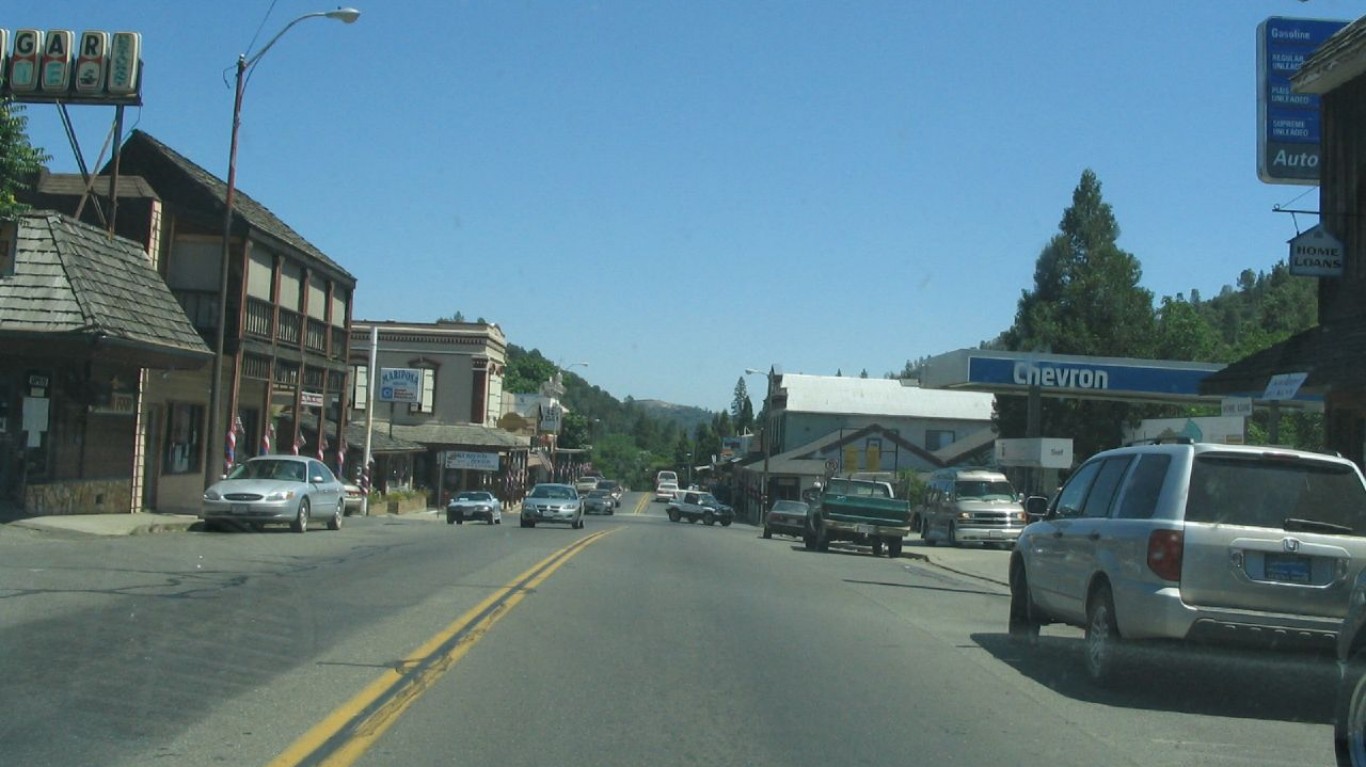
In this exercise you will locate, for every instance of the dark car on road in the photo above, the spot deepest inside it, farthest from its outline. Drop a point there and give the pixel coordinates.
(599, 502)
(786, 518)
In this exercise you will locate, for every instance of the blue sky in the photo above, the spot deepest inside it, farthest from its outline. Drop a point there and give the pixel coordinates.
(676, 191)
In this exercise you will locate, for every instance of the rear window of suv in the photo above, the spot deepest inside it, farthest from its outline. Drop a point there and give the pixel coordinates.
(1259, 492)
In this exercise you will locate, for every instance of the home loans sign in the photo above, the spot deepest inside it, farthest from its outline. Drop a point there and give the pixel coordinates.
(58, 65)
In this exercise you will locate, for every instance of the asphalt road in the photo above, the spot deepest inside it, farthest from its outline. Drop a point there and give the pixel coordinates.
(405, 641)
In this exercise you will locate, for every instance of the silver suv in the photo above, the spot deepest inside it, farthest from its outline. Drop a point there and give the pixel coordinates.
(1205, 543)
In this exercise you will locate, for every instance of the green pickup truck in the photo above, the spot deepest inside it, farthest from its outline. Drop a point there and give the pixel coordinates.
(860, 511)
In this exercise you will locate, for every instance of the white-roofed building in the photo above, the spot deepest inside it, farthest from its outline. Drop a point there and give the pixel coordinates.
(833, 424)
(808, 407)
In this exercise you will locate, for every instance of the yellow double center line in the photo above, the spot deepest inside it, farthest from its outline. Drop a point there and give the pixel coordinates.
(344, 735)
(642, 505)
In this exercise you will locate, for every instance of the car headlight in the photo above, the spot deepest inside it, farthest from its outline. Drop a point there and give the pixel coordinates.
(280, 495)
(212, 495)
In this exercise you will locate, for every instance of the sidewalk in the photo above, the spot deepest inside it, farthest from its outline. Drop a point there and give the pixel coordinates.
(142, 523)
(101, 525)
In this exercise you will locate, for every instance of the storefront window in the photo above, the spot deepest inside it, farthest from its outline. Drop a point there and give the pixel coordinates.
(184, 430)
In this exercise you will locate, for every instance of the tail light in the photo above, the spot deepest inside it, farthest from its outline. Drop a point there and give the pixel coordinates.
(1165, 549)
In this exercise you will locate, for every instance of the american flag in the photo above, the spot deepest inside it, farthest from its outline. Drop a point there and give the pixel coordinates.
(265, 438)
(298, 443)
(231, 457)
(322, 446)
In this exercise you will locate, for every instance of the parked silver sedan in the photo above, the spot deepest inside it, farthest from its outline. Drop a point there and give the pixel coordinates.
(551, 502)
(273, 490)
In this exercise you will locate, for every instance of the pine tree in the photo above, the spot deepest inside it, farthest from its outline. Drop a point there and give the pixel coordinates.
(1086, 300)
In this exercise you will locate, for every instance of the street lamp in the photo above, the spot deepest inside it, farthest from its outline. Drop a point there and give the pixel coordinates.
(768, 438)
(346, 16)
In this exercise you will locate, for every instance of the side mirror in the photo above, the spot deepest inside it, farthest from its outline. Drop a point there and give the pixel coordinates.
(1036, 507)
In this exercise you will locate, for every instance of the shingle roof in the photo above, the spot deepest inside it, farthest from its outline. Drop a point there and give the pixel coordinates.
(72, 184)
(75, 280)
(244, 207)
(464, 434)
(1330, 355)
(1339, 59)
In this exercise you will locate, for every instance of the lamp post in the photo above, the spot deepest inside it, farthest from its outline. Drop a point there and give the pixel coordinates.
(346, 16)
(768, 437)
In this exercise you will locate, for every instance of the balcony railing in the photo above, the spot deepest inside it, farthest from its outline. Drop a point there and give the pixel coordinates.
(287, 332)
(316, 339)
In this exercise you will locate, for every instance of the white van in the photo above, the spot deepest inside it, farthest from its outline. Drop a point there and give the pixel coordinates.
(971, 505)
(666, 476)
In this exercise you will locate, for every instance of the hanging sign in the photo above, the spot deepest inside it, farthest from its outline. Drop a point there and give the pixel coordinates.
(1316, 253)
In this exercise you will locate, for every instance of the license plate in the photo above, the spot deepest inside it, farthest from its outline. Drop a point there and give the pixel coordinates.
(865, 529)
(240, 508)
(996, 534)
(1287, 568)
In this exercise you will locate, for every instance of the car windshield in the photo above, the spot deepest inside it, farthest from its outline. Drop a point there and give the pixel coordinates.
(292, 471)
(857, 488)
(984, 490)
(552, 491)
(474, 497)
(599, 494)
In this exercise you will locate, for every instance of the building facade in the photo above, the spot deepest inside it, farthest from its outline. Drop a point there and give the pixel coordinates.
(88, 330)
(458, 399)
(282, 384)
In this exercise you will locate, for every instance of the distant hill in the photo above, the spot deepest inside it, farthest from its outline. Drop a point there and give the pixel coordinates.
(686, 416)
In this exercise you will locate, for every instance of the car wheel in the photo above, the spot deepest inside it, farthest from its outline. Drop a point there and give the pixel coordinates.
(708, 519)
(809, 540)
(1349, 728)
(210, 526)
(673, 515)
(335, 522)
(877, 547)
(894, 548)
(768, 533)
(300, 524)
(498, 520)
(459, 518)
(1103, 642)
(1024, 629)
(450, 519)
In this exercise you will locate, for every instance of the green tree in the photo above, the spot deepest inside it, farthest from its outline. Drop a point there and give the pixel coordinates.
(20, 161)
(741, 408)
(526, 371)
(1086, 300)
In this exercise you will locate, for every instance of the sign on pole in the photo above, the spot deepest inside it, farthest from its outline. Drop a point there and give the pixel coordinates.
(1284, 386)
(1288, 149)
(400, 385)
(1235, 406)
